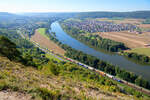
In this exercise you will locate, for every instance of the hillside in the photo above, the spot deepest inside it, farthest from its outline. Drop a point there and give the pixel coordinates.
(134, 14)
(57, 81)
(43, 84)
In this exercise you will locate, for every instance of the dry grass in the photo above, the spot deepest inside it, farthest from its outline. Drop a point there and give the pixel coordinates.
(9, 95)
(27, 78)
(45, 42)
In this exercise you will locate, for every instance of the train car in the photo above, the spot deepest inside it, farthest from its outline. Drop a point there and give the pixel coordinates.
(80, 64)
(97, 70)
(120, 81)
(91, 68)
(68, 59)
(110, 76)
(102, 73)
(85, 66)
(115, 79)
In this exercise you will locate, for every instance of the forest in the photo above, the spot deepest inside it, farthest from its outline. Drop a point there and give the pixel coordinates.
(27, 50)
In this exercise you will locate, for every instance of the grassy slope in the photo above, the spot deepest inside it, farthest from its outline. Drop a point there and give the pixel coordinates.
(145, 51)
(71, 82)
(52, 58)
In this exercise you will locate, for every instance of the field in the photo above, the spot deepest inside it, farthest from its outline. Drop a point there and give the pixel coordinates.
(119, 21)
(145, 51)
(131, 40)
(43, 40)
(147, 26)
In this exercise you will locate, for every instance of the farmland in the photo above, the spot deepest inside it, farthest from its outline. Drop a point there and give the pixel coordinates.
(131, 40)
(42, 31)
(144, 51)
(43, 40)
(122, 20)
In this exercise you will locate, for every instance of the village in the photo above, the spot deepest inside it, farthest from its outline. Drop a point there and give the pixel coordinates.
(93, 26)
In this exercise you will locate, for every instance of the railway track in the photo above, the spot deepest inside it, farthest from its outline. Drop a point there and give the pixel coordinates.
(62, 58)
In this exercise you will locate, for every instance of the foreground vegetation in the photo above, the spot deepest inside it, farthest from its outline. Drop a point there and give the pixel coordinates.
(61, 81)
(27, 50)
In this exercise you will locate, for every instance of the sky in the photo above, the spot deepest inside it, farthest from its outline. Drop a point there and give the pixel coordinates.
(73, 5)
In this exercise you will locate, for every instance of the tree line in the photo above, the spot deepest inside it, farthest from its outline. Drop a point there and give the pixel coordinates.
(135, 14)
(137, 57)
(106, 67)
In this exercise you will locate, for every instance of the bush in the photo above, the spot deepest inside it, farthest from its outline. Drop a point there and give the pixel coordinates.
(46, 94)
(54, 69)
(3, 85)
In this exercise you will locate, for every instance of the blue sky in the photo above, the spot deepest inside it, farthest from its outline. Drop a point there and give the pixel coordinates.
(72, 5)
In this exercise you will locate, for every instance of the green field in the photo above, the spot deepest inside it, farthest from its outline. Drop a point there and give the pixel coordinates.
(42, 31)
(52, 57)
(144, 51)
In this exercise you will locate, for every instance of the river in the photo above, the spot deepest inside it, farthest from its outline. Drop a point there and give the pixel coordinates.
(115, 59)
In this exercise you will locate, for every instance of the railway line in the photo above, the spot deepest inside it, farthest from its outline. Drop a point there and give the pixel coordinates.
(103, 74)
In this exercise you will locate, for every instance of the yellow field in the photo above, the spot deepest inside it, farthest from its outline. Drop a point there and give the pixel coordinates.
(145, 51)
(42, 31)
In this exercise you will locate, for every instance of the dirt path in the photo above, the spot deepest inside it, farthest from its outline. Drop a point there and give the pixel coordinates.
(131, 40)
(7, 95)
(45, 42)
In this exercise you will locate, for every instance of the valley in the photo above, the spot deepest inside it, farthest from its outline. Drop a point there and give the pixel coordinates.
(51, 57)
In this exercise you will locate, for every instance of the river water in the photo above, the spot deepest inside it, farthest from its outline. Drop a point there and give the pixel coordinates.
(115, 59)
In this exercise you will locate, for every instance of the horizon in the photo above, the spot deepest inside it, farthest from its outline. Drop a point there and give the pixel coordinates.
(76, 12)
(37, 6)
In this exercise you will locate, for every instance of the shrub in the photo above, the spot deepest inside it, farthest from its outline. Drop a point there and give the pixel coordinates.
(46, 94)
(3, 85)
